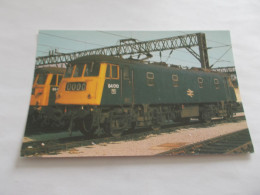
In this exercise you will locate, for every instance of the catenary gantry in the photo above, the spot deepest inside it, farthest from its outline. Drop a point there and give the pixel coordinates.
(130, 47)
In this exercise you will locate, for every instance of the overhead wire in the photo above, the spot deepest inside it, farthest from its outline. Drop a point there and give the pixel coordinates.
(221, 56)
(76, 40)
(106, 32)
(208, 55)
(53, 47)
(42, 51)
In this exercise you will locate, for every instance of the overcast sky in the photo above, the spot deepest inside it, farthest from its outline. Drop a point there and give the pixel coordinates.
(220, 53)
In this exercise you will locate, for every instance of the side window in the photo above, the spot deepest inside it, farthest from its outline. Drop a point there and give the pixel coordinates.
(200, 82)
(216, 83)
(114, 71)
(150, 78)
(35, 77)
(54, 79)
(108, 71)
(126, 73)
(175, 80)
(59, 79)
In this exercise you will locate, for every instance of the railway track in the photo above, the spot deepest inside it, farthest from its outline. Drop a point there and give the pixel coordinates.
(54, 146)
(232, 143)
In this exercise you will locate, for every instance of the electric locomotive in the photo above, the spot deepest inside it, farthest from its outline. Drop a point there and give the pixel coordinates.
(43, 112)
(104, 94)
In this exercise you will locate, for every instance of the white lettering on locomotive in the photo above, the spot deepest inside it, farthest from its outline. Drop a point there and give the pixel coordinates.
(114, 86)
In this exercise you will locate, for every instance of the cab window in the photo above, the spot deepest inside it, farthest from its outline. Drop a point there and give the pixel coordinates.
(34, 78)
(91, 69)
(78, 70)
(41, 79)
(59, 79)
(54, 79)
(68, 72)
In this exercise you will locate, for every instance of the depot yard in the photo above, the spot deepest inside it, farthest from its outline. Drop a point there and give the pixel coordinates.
(153, 143)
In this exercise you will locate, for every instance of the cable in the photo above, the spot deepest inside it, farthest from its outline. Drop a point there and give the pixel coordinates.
(221, 56)
(113, 34)
(70, 39)
(219, 46)
(176, 58)
(44, 45)
(42, 51)
(208, 55)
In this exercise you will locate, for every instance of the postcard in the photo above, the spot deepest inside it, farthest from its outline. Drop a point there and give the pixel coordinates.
(134, 93)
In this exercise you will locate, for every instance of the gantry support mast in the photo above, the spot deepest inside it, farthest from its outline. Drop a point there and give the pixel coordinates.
(131, 46)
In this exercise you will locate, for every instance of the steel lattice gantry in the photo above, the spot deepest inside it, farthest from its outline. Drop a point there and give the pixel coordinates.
(145, 47)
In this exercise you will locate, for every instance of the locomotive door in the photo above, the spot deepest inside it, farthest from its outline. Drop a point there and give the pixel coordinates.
(227, 89)
(127, 85)
(54, 88)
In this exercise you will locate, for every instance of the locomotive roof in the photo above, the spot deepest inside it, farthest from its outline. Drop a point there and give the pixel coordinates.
(53, 70)
(112, 59)
(105, 58)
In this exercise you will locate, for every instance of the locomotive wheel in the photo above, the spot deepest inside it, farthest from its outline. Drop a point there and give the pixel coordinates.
(133, 126)
(33, 122)
(156, 127)
(117, 132)
(45, 124)
(59, 121)
(205, 117)
(85, 126)
(99, 132)
(186, 120)
(229, 114)
(106, 126)
(156, 119)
